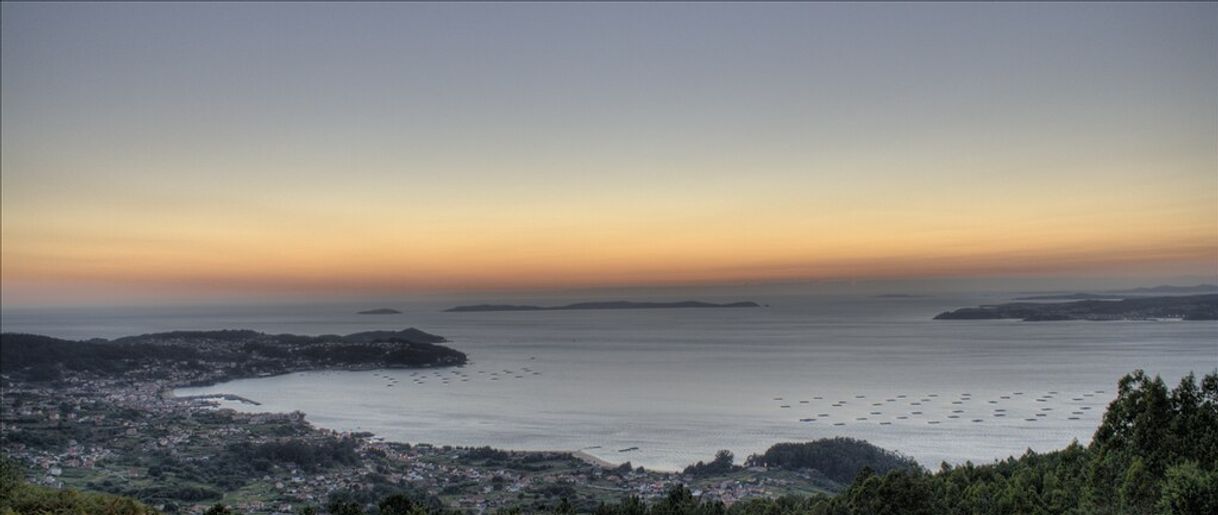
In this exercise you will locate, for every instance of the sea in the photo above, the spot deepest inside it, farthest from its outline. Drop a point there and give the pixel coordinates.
(664, 388)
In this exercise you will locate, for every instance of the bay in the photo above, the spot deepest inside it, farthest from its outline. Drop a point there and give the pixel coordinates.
(663, 388)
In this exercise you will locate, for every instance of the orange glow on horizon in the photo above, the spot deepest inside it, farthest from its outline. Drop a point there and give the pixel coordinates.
(596, 254)
(184, 151)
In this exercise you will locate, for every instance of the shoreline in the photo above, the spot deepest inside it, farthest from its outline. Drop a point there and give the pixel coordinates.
(593, 460)
(577, 450)
(580, 455)
(169, 393)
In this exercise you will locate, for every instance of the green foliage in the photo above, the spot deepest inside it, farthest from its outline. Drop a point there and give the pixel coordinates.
(839, 459)
(11, 478)
(488, 454)
(1189, 489)
(1156, 451)
(20, 498)
(1153, 453)
(564, 507)
(43, 358)
(722, 464)
(309, 456)
(399, 504)
(36, 357)
(344, 503)
(1139, 490)
(384, 500)
(218, 509)
(1146, 457)
(681, 501)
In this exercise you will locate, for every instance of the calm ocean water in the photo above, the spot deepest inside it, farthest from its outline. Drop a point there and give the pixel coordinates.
(674, 386)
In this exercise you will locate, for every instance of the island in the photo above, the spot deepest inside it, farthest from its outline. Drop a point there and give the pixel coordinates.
(601, 305)
(1073, 296)
(1184, 307)
(380, 311)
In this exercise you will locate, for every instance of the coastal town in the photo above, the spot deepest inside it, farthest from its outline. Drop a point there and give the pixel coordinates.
(128, 434)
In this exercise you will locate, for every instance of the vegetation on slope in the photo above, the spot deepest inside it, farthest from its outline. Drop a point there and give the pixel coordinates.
(236, 353)
(18, 497)
(1155, 452)
(840, 459)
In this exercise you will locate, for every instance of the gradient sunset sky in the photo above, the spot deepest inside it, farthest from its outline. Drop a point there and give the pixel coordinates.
(204, 150)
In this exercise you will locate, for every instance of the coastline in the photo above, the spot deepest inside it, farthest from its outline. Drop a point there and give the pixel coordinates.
(211, 401)
(593, 460)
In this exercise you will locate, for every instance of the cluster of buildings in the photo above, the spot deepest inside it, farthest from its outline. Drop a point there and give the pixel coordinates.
(81, 432)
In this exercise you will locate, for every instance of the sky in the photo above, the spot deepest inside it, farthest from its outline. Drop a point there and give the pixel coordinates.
(225, 150)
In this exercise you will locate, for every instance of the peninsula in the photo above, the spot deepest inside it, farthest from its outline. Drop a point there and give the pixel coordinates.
(207, 357)
(1186, 307)
(601, 305)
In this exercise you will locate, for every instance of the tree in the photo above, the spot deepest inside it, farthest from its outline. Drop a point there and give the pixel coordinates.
(11, 476)
(397, 504)
(1189, 489)
(18, 497)
(1139, 489)
(722, 464)
(564, 507)
(344, 507)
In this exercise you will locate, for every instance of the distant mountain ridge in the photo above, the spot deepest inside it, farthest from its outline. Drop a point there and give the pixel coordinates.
(1200, 288)
(621, 304)
(1184, 307)
(1120, 294)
